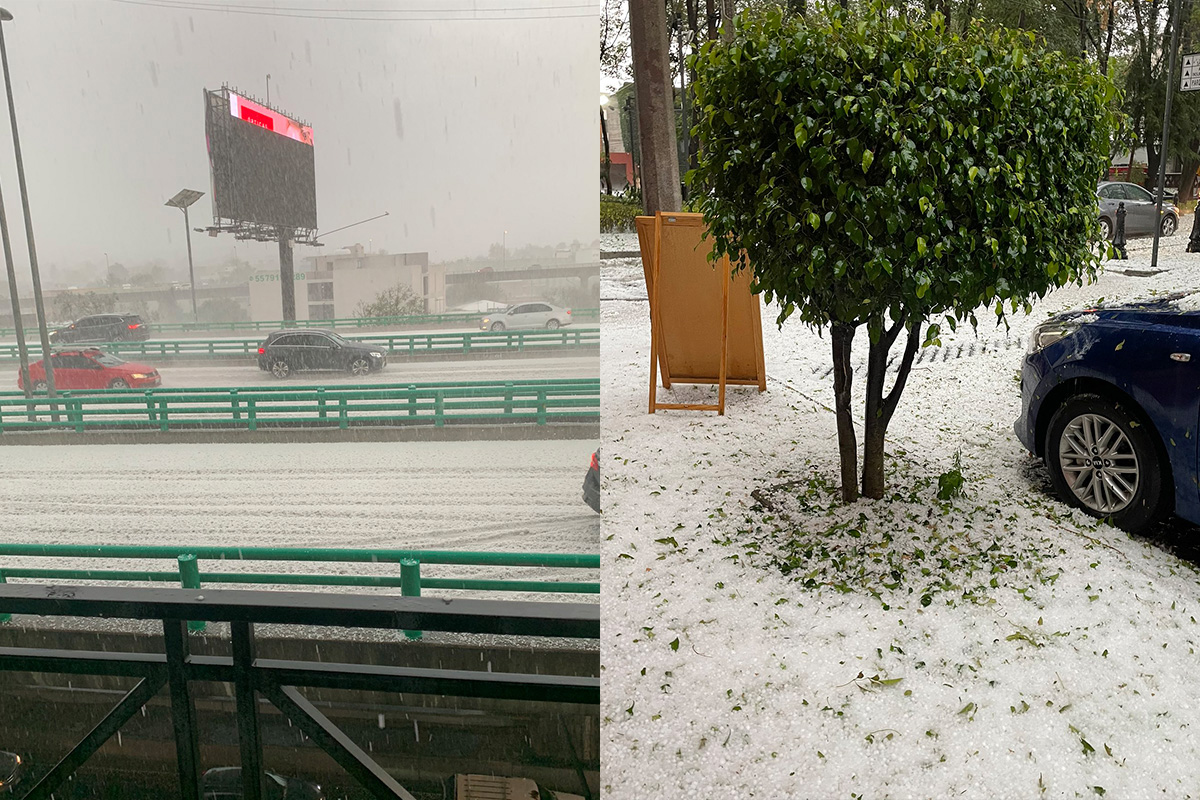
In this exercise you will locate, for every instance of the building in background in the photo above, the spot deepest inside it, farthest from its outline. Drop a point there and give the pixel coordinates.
(332, 285)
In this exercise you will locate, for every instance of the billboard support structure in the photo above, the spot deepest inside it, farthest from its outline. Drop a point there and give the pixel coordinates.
(287, 276)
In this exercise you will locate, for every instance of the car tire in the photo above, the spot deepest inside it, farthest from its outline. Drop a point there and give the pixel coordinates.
(497, 326)
(281, 369)
(552, 324)
(1168, 225)
(1106, 229)
(360, 366)
(118, 383)
(1077, 433)
(40, 387)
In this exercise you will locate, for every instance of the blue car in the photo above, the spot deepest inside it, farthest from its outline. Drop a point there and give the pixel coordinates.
(1110, 400)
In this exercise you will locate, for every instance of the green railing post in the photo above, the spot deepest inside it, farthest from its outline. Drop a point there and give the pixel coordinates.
(251, 416)
(412, 399)
(466, 343)
(321, 402)
(410, 585)
(189, 578)
(74, 411)
(343, 414)
(541, 408)
(8, 617)
(508, 398)
(237, 408)
(438, 409)
(163, 425)
(150, 415)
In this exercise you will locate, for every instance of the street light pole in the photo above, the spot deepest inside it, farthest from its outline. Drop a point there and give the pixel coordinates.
(43, 333)
(183, 199)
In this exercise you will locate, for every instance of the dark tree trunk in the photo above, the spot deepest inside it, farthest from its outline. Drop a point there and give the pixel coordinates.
(684, 102)
(843, 377)
(728, 11)
(1187, 175)
(710, 14)
(880, 408)
(693, 14)
(799, 7)
(656, 107)
(607, 156)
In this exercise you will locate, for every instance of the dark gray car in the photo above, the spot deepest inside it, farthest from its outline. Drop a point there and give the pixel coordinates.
(285, 352)
(1140, 210)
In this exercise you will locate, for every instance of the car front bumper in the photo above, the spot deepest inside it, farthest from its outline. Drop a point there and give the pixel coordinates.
(1033, 372)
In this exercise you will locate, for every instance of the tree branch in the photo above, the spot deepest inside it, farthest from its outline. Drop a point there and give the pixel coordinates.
(910, 350)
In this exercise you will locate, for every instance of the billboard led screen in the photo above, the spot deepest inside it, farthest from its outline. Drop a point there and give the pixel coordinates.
(262, 162)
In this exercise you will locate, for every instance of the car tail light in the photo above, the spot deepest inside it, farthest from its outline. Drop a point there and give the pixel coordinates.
(262, 351)
(568, 312)
(595, 463)
(135, 326)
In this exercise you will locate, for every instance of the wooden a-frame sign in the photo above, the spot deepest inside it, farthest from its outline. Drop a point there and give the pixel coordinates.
(705, 327)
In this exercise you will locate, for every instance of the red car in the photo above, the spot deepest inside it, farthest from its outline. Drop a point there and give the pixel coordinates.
(91, 369)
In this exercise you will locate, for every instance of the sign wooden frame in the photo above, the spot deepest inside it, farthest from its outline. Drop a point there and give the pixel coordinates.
(698, 333)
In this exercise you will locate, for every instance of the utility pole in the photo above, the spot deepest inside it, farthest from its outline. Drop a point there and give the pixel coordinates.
(1162, 156)
(43, 333)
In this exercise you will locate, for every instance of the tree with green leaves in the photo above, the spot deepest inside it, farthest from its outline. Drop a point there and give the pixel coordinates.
(398, 301)
(879, 170)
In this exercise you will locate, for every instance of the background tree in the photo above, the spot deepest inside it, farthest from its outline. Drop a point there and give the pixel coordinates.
(880, 171)
(398, 301)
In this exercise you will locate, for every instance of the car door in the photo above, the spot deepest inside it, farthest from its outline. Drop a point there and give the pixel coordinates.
(324, 352)
(1110, 196)
(518, 317)
(91, 373)
(287, 348)
(70, 372)
(1141, 209)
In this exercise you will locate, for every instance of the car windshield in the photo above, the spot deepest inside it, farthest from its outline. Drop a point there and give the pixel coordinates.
(107, 359)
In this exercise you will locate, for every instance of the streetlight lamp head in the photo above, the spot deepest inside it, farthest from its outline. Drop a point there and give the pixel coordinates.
(5, 15)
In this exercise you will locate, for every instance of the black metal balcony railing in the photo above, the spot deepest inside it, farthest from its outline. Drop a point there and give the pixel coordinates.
(277, 680)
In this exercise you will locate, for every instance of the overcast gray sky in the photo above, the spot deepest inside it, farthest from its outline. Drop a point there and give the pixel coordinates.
(460, 128)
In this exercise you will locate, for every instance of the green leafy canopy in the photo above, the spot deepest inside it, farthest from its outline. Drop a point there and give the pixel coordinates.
(872, 163)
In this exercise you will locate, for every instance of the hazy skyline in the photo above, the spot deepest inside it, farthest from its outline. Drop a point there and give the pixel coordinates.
(460, 128)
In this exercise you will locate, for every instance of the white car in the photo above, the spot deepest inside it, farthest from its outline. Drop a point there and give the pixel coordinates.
(535, 314)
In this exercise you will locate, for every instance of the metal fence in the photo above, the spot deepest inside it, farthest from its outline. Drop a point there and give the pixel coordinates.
(471, 318)
(398, 345)
(279, 681)
(435, 404)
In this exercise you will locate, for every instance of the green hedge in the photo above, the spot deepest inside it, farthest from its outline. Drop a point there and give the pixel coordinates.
(617, 214)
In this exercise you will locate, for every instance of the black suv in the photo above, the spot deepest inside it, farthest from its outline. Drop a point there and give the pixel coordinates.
(103, 328)
(285, 352)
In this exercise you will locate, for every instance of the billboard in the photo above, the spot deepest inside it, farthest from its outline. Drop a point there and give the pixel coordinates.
(262, 164)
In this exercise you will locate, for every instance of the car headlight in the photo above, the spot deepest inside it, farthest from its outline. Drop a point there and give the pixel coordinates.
(376, 355)
(1048, 333)
(138, 375)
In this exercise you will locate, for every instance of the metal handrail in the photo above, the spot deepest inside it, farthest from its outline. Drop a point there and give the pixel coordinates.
(175, 667)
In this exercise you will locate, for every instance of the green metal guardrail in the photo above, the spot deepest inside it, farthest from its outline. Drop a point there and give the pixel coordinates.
(409, 580)
(344, 322)
(540, 402)
(399, 345)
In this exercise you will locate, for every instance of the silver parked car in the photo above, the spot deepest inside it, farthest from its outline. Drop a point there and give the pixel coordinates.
(1140, 216)
(536, 314)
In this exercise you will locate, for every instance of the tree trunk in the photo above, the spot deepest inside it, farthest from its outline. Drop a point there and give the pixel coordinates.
(684, 102)
(710, 13)
(880, 408)
(1187, 176)
(728, 11)
(656, 114)
(843, 376)
(607, 155)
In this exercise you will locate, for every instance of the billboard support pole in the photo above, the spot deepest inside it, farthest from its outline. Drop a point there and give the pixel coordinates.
(287, 275)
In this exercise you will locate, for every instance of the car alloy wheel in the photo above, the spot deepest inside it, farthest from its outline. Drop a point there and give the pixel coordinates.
(497, 326)
(1105, 229)
(1168, 225)
(552, 324)
(360, 367)
(1102, 458)
(1099, 463)
(280, 369)
(117, 383)
(41, 387)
